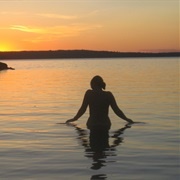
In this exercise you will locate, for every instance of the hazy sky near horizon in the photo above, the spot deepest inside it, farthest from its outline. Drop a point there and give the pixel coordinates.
(117, 25)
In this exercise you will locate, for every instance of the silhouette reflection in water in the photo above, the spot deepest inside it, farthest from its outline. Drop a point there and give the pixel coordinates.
(97, 146)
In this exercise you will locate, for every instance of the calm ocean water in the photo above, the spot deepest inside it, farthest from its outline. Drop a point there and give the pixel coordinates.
(41, 93)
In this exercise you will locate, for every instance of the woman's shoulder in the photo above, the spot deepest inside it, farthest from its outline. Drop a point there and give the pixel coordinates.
(109, 95)
(89, 91)
(108, 92)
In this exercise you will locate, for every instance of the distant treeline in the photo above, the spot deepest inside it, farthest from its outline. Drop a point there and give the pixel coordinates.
(57, 54)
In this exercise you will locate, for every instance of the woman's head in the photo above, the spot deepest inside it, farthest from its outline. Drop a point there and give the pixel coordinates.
(97, 83)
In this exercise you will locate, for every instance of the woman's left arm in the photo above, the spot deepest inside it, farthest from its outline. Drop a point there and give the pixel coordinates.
(82, 109)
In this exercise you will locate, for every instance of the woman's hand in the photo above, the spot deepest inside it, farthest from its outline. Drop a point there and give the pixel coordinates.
(129, 121)
(70, 120)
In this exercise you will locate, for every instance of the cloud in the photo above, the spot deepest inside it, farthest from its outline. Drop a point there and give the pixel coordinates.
(68, 17)
(26, 29)
(53, 33)
(63, 30)
(58, 16)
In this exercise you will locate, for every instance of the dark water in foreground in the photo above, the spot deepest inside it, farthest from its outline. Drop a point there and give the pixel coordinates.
(39, 94)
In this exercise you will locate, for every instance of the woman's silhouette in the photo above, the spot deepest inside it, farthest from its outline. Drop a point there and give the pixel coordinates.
(99, 101)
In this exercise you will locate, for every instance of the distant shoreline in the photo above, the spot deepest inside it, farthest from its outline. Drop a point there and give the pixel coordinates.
(71, 54)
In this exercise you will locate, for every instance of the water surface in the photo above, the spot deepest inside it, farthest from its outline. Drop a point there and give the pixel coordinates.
(41, 93)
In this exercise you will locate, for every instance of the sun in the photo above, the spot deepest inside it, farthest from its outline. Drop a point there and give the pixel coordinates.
(5, 47)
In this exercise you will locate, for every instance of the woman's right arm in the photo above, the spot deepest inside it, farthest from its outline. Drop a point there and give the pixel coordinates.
(117, 110)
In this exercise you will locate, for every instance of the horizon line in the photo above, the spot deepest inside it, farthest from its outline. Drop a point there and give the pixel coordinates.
(154, 52)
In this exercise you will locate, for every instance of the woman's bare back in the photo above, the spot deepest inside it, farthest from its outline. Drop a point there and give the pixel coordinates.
(99, 102)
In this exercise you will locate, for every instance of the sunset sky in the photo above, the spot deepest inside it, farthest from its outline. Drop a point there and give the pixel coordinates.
(115, 25)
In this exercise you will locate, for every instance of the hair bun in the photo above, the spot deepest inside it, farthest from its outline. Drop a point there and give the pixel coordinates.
(97, 82)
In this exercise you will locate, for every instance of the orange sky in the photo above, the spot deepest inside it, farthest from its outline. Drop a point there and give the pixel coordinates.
(117, 25)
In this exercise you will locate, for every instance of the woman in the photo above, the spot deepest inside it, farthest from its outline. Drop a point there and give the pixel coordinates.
(99, 101)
